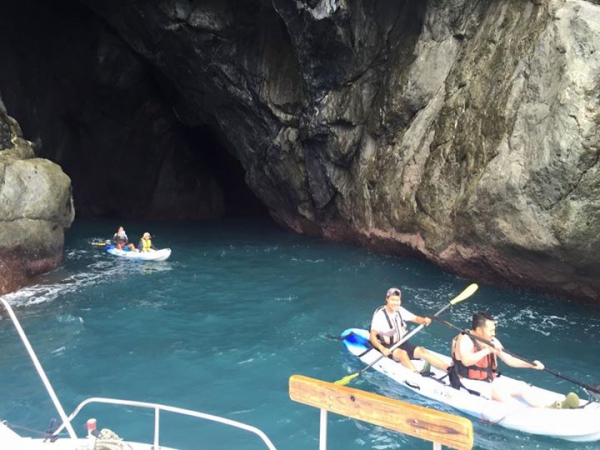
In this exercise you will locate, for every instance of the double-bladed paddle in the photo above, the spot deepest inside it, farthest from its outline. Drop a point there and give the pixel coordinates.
(593, 390)
(470, 290)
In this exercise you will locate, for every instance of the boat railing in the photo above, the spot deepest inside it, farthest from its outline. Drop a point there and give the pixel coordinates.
(438, 427)
(66, 420)
(158, 408)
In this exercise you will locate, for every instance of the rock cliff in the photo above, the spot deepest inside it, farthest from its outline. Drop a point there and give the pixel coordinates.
(464, 132)
(36, 208)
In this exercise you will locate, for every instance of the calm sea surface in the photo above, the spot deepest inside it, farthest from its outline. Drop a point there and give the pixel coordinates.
(240, 307)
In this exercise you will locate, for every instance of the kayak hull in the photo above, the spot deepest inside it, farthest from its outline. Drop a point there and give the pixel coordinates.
(155, 255)
(579, 425)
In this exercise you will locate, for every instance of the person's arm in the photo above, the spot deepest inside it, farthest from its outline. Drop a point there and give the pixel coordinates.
(376, 326)
(516, 362)
(141, 245)
(376, 344)
(410, 317)
(422, 320)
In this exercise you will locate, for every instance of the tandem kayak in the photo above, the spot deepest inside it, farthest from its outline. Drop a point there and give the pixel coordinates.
(153, 255)
(581, 424)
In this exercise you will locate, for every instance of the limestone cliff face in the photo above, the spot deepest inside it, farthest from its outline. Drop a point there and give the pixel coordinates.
(464, 131)
(36, 208)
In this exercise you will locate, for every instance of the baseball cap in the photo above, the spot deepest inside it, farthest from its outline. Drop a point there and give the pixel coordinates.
(393, 291)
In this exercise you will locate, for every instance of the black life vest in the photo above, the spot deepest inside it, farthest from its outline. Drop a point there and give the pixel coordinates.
(389, 341)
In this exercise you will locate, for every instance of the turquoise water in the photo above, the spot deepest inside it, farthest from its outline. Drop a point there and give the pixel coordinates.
(238, 308)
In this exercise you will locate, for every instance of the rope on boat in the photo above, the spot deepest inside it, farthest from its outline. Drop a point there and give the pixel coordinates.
(48, 434)
(14, 426)
(108, 440)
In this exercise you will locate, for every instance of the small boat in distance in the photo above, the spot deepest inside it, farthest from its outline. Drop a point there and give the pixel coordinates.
(153, 255)
(580, 424)
(97, 439)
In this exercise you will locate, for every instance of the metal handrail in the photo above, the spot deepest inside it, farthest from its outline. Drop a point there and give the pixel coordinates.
(66, 421)
(173, 409)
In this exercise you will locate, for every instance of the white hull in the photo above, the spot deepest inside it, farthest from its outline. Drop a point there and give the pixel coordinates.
(153, 255)
(580, 425)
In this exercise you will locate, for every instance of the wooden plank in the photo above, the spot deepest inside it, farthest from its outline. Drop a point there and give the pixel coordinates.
(435, 426)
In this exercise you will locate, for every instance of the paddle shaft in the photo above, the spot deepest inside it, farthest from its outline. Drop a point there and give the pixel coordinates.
(553, 372)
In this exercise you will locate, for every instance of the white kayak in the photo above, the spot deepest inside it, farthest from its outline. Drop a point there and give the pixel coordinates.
(153, 255)
(580, 424)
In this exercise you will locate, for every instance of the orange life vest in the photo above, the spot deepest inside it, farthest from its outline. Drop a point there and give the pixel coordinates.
(484, 369)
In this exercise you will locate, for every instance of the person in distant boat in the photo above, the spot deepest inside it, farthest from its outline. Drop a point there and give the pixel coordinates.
(145, 244)
(122, 241)
(120, 235)
(476, 364)
(389, 326)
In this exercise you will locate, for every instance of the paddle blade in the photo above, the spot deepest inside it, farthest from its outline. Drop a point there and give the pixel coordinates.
(470, 290)
(344, 381)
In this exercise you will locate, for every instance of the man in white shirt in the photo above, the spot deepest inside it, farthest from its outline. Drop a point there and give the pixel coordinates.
(389, 326)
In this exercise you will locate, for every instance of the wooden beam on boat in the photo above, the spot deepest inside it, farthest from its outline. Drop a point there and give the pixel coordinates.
(435, 426)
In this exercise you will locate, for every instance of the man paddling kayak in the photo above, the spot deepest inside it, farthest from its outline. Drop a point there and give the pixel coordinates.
(476, 363)
(389, 326)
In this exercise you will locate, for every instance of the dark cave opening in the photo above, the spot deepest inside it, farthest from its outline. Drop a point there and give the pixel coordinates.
(98, 110)
(239, 200)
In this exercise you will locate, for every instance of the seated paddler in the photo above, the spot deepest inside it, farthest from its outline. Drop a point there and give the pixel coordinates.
(145, 244)
(476, 364)
(388, 327)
